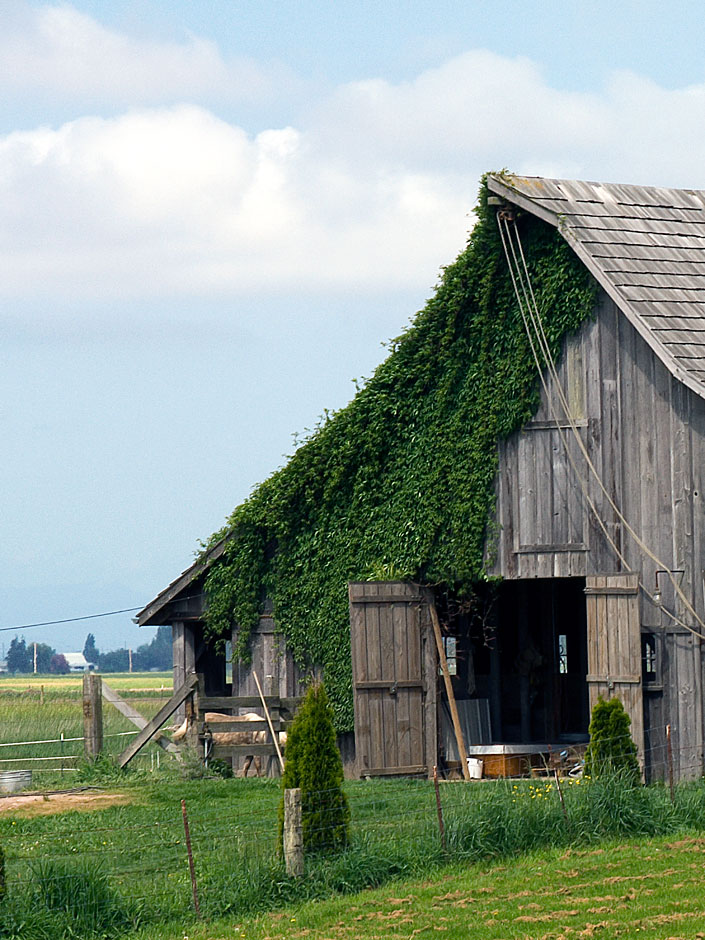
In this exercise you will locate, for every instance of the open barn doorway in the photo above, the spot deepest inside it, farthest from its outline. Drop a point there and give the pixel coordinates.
(519, 649)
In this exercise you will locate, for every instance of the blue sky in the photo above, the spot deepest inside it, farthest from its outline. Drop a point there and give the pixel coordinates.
(212, 215)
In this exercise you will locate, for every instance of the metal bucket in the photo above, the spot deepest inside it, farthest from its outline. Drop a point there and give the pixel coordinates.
(13, 780)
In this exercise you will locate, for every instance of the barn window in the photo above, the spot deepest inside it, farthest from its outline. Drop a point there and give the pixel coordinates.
(562, 654)
(450, 648)
(648, 657)
(228, 661)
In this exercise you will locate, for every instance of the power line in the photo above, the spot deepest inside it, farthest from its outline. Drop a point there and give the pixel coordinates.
(51, 623)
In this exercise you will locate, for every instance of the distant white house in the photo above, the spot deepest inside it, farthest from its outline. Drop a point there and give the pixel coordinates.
(78, 662)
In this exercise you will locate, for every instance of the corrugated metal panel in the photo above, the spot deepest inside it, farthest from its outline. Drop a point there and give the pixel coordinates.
(645, 245)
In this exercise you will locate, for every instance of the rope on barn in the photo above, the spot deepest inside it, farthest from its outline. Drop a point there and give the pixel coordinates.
(521, 282)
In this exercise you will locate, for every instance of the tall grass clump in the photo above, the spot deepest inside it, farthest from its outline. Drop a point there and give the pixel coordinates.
(82, 896)
(525, 816)
(66, 901)
(254, 883)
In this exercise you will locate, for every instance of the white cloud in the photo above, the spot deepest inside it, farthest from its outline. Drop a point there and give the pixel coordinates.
(372, 191)
(57, 52)
(172, 200)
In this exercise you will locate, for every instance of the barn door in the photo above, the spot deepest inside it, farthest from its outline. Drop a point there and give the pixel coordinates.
(394, 678)
(614, 646)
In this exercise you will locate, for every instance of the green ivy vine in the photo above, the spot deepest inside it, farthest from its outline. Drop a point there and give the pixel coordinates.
(402, 479)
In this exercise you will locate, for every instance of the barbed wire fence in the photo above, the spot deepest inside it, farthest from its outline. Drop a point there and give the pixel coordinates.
(136, 869)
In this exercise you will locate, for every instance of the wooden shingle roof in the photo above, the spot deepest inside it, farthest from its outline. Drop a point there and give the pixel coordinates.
(644, 245)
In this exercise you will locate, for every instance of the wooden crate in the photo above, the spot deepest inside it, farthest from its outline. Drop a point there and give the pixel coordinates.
(504, 765)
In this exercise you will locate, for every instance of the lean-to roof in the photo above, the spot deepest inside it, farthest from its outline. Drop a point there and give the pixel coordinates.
(644, 245)
(153, 613)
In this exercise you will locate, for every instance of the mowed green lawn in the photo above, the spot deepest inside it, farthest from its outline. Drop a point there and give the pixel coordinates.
(649, 889)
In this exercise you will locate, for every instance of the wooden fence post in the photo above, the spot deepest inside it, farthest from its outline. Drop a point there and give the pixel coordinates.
(92, 715)
(191, 867)
(669, 755)
(439, 808)
(293, 834)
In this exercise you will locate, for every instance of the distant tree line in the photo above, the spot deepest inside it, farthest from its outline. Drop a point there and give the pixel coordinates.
(154, 655)
(20, 658)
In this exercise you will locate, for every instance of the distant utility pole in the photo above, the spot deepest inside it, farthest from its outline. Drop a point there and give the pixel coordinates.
(35, 658)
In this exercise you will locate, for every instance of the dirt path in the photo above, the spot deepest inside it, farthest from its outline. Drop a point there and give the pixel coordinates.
(41, 804)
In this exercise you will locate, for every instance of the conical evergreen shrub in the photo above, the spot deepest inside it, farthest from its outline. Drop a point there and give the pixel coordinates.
(313, 764)
(611, 749)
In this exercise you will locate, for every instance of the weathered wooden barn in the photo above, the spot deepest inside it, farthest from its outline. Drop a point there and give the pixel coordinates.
(598, 534)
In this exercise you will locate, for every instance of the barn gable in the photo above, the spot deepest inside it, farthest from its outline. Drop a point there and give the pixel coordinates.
(645, 247)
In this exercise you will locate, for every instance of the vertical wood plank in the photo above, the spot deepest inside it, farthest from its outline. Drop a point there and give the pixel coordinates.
(403, 640)
(389, 673)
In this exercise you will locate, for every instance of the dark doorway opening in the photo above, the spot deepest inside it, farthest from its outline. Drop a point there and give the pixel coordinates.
(520, 649)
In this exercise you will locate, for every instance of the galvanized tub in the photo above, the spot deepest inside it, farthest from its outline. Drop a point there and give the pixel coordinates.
(13, 780)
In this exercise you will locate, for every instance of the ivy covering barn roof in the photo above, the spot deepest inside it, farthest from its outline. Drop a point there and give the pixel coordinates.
(400, 482)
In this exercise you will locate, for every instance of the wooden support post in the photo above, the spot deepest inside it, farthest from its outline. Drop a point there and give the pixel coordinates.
(184, 656)
(193, 714)
(92, 715)
(451, 695)
(293, 834)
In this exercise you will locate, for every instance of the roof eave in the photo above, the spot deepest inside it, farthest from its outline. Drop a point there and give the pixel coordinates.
(146, 617)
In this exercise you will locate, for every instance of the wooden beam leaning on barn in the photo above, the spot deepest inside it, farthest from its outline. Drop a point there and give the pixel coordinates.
(166, 711)
(462, 753)
(139, 721)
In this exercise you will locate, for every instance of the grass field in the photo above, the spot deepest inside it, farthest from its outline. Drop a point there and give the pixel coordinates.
(492, 881)
(645, 890)
(41, 709)
(516, 864)
(71, 683)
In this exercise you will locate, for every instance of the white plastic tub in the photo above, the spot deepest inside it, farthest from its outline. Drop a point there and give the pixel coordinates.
(475, 768)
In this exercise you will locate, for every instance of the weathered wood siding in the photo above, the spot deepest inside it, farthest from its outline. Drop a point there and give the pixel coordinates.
(394, 678)
(645, 433)
(271, 660)
(275, 667)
